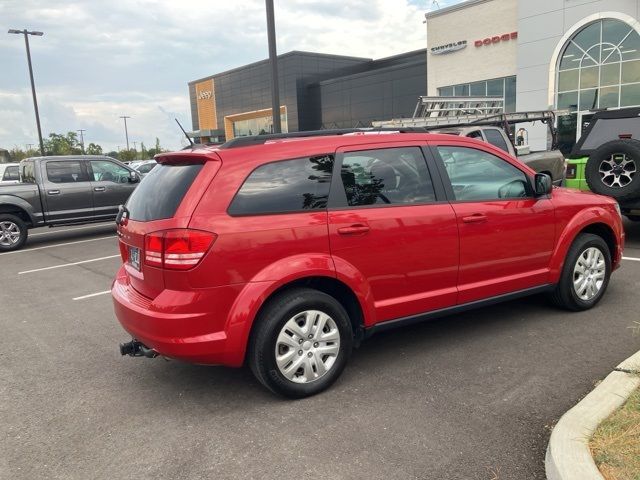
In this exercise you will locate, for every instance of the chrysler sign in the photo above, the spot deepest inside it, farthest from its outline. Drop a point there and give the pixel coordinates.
(449, 47)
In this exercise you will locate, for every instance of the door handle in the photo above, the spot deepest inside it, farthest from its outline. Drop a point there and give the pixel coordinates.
(99, 189)
(475, 218)
(53, 192)
(354, 230)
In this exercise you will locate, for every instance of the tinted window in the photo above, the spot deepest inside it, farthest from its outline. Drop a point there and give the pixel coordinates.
(161, 192)
(66, 172)
(146, 168)
(11, 173)
(106, 171)
(478, 175)
(495, 138)
(28, 173)
(287, 186)
(386, 176)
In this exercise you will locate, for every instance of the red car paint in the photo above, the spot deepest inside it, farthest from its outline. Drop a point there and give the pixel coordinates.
(398, 261)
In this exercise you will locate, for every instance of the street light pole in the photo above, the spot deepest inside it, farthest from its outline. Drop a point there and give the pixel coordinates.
(26, 34)
(126, 133)
(82, 139)
(273, 61)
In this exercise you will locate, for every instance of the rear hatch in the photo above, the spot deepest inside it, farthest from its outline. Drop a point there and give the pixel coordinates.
(160, 207)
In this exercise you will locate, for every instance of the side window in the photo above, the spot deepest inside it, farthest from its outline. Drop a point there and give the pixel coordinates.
(66, 172)
(28, 174)
(475, 134)
(147, 167)
(394, 176)
(285, 186)
(11, 173)
(478, 175)
(106, 171)
(495, 138)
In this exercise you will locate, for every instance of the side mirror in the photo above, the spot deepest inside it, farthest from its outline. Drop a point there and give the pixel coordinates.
(134, 177)
(542, 185)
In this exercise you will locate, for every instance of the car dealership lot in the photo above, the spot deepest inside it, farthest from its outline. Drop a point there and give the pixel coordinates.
(471, 396)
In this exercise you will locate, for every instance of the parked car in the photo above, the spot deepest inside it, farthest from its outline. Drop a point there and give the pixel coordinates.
(551, 162)
(606, 158)
(285, 251)
(9, 173)
(144, 167)
(62, 190)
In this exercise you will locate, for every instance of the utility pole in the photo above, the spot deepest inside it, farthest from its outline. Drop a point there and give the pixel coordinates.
(273, 61)
(126, 133)
(82, 139)
(26, 34)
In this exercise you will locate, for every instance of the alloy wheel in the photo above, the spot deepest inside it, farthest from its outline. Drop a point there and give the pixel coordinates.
(589, 273)
(307, 346)
(9, 233)
(617, 170)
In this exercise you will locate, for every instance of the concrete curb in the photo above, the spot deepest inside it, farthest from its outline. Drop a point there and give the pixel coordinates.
(568, 456)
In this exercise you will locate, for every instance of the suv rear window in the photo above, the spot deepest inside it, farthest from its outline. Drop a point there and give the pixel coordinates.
(285, 186)
(161, 192)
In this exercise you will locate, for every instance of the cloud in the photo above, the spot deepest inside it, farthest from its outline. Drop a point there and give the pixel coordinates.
(100, 60)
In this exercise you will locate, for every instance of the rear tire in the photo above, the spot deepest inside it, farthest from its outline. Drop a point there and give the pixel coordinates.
(301, 342)
(13, 232)
(612, 169)
(585, 275)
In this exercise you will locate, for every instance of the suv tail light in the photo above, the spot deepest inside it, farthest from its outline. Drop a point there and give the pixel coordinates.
(178, 249)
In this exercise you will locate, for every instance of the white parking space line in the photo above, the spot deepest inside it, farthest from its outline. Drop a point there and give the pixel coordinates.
(631, 258)
(68, 264)
(92, 295)
(55, 230)
(26, 250)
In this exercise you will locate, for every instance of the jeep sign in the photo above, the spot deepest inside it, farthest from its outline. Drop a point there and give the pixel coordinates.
(204, 95)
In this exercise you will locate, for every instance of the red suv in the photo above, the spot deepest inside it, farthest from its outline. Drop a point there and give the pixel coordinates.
(284, 252)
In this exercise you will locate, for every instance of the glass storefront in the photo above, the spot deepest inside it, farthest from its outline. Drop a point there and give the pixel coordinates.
(599, 68)
(501, 87)
(258, 126)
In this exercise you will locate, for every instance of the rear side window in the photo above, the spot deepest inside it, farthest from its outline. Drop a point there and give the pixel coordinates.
(66, 172)
(11, 173)
(28, 173)
(161, 192)
(495, 138)
(287, 186)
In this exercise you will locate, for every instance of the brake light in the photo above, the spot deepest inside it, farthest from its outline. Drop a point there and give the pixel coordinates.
(179, 249)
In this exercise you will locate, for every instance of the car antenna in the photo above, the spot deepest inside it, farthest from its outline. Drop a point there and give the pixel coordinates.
(183, 131)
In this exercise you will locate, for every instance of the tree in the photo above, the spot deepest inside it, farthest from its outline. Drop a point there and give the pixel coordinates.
(58, 144)
(127, 155)
(113, 154)
(94, 149)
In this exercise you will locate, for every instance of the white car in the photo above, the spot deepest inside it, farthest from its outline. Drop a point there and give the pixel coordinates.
(9, 173)
(144, 166)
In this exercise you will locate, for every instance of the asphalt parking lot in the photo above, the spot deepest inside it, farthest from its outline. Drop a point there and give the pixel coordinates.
(466, 397)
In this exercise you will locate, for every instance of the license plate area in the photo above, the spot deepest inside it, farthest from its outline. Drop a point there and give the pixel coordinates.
(134, 257)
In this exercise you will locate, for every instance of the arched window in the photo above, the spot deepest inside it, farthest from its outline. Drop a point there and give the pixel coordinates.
(600, 68)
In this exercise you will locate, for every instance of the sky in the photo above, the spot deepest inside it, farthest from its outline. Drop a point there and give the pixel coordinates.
(99, 60)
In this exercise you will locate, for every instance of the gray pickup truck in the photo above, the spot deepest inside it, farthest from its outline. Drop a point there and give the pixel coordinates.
(63, 190)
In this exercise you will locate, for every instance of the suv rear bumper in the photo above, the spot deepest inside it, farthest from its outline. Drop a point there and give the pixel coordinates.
(181, 325)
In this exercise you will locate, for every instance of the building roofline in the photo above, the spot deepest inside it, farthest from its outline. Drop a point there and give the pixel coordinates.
(280, 57)
(453, 8)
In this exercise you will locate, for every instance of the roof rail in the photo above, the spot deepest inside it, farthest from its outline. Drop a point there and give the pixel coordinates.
(261, 139)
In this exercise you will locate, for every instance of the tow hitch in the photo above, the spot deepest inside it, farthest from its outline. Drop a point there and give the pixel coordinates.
(134, 348)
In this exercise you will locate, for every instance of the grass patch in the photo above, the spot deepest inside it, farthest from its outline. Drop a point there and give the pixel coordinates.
(615, 445)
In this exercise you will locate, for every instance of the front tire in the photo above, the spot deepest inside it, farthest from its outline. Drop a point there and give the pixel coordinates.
(301, 342)
(585, 275)
(13, 232)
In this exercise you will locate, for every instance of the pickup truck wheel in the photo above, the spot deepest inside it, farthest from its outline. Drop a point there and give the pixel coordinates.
(612, 169)
(301, 343)
(13, 233)
(585, 275)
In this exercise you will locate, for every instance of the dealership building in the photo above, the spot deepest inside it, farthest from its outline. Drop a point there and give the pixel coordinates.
(573, 55)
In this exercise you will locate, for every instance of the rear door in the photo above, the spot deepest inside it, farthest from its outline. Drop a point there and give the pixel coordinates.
(389, 222)
(506, 234)
(110, 185)
(66, 190)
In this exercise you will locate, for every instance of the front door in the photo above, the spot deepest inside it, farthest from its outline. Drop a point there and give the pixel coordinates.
(506, 234)
(387, 225)
(66, 191)
(111, 187)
